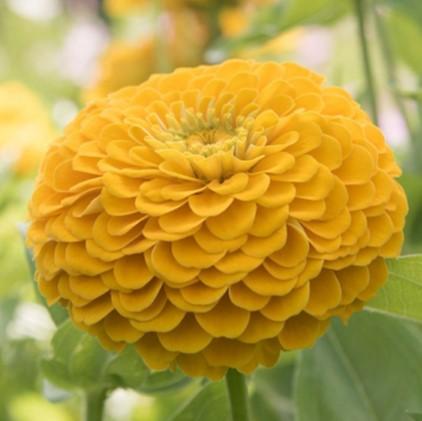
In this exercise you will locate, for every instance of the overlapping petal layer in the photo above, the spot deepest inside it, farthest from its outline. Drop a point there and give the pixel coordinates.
(217, 215)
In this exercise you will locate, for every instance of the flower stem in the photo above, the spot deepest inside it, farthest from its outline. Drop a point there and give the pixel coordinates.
(238, 395)
(360, 10)
(94, 404)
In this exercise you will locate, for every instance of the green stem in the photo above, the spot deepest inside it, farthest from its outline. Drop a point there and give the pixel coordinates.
(238, 395)
(94, 404)
(367, 66)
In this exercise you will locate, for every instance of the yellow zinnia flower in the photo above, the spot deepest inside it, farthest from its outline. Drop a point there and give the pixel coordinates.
(25, 128)
(217, 215)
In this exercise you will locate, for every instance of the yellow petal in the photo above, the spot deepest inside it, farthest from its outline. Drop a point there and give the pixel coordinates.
(216, 279)
(230, 186)
(358, 167)
(318, 187)
(200, 294)
(175, 296)
(268, 220)
(260, 328)
(153, 353)
(119, 329)
(223, 352)
(141, 299)
(180, 220)
(331, 228)
(282, 308)
(377, 276)
(188, 253)
(263, 283)
(307, 210)
(243, 297)
(277, 194)
(301, 331)
(256, 187)
(167, 320)
(263, 247)
(195, 365)
(79, 262)
(209, 203)
(236, 221)
(238, 261)
(353, 280)
(325, 293)
(304, 169)
(87, 287)
(295, 250)
(94, 311)
(131, 272)
(188, 337)
(213, 244)
(224, 320)
(167, 268)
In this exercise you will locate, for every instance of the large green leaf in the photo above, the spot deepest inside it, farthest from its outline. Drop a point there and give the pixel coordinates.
(369, 371)
(402, 294)
(79, 361)
(209, 404)
(271, 397)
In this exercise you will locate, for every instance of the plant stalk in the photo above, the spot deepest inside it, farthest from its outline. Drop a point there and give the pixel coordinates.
(94, 404)
(360, 12)
(238, 395)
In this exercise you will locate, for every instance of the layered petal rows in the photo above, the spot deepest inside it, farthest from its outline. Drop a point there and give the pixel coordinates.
(217, 215)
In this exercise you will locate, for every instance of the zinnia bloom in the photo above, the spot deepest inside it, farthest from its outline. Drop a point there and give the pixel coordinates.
(25, 128)
(217, 215)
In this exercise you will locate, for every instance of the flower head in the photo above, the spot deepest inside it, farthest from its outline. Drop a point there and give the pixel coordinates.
(217, 215)
(25, 128)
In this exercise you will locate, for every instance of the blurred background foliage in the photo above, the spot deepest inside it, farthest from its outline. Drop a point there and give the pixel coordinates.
(55, 55)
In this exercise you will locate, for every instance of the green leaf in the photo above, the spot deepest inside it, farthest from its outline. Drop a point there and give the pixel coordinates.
(271, 398)
(65, 341)
(209, 404)
(78, 360)
(57, 373)
(369, 371)
(87, 363)
(163, 381)
(402, 294)
(412, 184)
(127, 369)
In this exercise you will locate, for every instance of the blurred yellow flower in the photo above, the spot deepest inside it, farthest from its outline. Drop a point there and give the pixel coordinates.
(122, 7)
(236, 19)
(126, 63)
(217, 215)
(122, 64)
(25, 128)
(125, 7)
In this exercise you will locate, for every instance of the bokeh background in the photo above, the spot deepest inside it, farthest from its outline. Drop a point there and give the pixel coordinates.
(57, 55)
